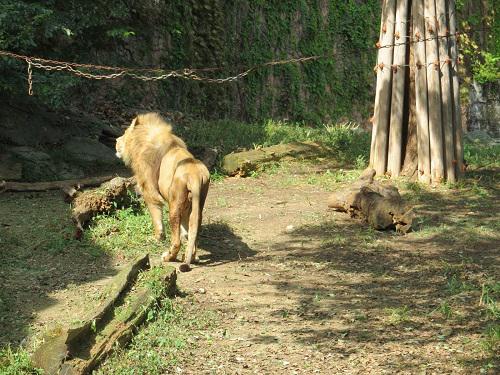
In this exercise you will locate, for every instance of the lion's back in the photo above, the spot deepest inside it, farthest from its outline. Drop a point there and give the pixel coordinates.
(147, 142)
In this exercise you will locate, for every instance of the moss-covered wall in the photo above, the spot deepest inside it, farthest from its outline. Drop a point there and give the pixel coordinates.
(231, 35)
(242, 33)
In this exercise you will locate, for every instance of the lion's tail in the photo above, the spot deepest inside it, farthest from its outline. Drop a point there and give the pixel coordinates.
(198, 194)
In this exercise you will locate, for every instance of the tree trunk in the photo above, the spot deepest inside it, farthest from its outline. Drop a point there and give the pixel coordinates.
(416, 123)
(457, 113)
(383, 94)
(398, 90)
(421, 104)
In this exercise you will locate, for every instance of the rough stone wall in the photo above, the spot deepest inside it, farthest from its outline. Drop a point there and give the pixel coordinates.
(484, 108)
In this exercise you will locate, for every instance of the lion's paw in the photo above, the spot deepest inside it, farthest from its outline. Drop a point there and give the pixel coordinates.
(160, 236)
(184, 267)
(165, 257)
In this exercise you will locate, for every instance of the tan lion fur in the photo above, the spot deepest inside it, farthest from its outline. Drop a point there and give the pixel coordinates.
(166, 171)
(143, 146)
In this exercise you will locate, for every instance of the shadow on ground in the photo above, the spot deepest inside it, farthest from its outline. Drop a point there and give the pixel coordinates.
(222, 245)
(39, 257)
(367, 287)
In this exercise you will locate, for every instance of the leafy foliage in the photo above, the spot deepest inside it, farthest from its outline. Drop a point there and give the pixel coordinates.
(178, 34)
(349, 143)
(481, 47)
(478, 155)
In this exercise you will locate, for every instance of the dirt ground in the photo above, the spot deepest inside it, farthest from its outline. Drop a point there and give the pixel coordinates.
(301, 290)
(46, 278)
(298, 289)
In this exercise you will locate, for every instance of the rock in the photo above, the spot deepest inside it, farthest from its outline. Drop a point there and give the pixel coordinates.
(484, 110)
(23, 128)
(31, 164)
(243, 163)
(289, 228)
(29, 154)
(480, 137)
(10, 168)
(36, 165)
(89, 150)
(38, 144)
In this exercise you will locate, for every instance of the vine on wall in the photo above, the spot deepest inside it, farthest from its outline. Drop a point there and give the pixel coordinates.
(199, 34)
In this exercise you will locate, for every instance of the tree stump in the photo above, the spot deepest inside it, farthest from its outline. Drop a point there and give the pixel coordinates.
(379, 204)
(101, 200)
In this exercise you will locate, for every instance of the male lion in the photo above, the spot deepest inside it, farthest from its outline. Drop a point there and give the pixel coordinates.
(166, 171)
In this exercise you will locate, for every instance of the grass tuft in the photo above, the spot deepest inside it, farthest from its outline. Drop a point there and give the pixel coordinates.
(16, 362)
(159, 345)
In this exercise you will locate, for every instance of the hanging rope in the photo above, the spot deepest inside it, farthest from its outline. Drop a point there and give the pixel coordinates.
(155, 74)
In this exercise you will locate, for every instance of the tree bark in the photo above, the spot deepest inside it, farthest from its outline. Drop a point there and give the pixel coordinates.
(446, 93)
(457, 113)
(384, 79)
(421, 107)
(423, 133)
(410, 166)
(434, 94)
(398, 90)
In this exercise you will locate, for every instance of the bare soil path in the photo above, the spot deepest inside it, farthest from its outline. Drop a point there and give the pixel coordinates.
(292, 287)
(300, 290)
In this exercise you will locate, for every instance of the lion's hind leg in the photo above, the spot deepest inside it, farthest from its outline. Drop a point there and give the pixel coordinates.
(185, 224)
(175, 238)
(176, 207)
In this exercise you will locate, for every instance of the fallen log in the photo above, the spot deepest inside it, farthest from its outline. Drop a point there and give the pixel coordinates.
(379, 204)
(101, 200)
(51, 185)
(242, 163)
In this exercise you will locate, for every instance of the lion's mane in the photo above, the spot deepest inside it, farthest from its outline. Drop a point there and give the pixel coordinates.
(146, 142)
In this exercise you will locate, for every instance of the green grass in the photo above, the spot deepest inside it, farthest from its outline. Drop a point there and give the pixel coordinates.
(446, 310)
(491, 339)
(159, 345)
(16, 362)
(398, 315)
(128, 233)
(480, 155)
(349, 144)
(490, 298)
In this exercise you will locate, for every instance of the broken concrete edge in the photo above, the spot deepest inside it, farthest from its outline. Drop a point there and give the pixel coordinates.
(120, 331)
(58, 345)
(247, 161)
(115, 290)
